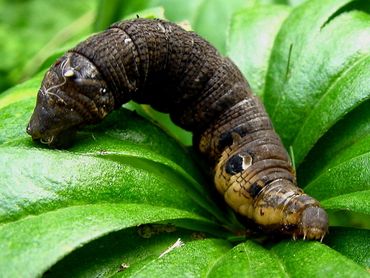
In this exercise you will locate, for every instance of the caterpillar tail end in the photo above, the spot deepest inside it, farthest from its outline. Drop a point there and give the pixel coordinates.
(313, 224)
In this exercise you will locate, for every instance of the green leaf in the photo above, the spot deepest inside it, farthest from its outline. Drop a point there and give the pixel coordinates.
(297, 66)
(193, 259)
(302, 25)
(54, 179)
(357, 202)
(335, 103)
(248, 259)
(353, 243)
(351, 136)
(304, 258)
(122, 251)
(36, 242)
(350, 176)
(78, 209)
(30, 32)
(251, 36)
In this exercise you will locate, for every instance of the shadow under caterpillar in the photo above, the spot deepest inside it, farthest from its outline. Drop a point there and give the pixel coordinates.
(177, 72)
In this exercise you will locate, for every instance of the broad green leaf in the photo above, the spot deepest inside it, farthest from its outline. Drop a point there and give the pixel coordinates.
(352, 131)
(45, 180)
(302, 25)
(251, 36)
(302, 259)
(344, 165)
(80, 206)
(356, 202)
(248, 259)
(353, 243)
(350, 176)
(307, 69)
(336, 102)
(36, 242)
(193, 259)
(119, 252)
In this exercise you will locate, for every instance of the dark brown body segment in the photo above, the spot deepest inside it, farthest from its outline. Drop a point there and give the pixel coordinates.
(177, 72)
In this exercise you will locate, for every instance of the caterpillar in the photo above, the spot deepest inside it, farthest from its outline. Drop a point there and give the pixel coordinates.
(175, 71)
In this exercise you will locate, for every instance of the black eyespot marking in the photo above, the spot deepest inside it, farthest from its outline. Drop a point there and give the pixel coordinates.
(158, 63)
(234, 165)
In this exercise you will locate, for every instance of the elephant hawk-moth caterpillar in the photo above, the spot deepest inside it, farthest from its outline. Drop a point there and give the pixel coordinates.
(177, 72)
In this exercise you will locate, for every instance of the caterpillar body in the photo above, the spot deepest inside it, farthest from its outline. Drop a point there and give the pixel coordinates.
(177, 72)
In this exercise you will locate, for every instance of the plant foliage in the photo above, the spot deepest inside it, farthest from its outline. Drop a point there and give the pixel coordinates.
(119, 200)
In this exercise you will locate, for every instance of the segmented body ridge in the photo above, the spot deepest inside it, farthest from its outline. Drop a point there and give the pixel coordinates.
(177, 72)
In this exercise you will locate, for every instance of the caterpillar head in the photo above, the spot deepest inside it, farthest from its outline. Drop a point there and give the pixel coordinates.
(72, 94)
(305, 217)
(313, 223)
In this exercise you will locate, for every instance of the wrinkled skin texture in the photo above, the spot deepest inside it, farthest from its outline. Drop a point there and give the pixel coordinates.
(177, 72)
(72, 95)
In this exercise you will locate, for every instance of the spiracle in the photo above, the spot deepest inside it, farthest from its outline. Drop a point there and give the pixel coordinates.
(158, 63)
